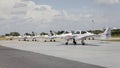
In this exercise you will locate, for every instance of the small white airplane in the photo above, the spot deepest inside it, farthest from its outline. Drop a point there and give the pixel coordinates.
(10, 37)
(52, 36)
(28, 38)
(82, 37)
(24, 38)
(35, 38)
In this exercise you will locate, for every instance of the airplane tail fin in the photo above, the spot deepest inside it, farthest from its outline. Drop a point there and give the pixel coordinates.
(106, 34)
(80, 32)
(52, 33)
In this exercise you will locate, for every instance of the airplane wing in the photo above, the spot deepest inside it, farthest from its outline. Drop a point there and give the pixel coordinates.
(83, 36)
(106, 34)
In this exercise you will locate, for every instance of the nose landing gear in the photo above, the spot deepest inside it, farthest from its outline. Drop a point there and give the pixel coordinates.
(74, 41)
(66, 42)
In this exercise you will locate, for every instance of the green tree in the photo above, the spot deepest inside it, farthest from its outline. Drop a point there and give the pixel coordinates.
(28, 34)
(7, 34)
(95, 31)
(14, 34)
(43, 33)
(59, 32)
(115, 32)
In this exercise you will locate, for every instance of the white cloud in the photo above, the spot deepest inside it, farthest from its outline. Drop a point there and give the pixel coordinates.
(108, 1)
(26, 9)
(26, 14)
(68, 16)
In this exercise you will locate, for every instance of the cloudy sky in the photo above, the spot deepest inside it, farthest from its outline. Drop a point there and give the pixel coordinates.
(44, 15)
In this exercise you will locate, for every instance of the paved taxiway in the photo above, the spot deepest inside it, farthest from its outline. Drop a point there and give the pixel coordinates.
(100, 53)
(12, 58)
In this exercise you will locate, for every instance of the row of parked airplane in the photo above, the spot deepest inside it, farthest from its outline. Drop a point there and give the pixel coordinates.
(70, 36)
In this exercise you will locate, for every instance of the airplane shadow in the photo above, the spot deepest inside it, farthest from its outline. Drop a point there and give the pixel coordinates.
(78, 44)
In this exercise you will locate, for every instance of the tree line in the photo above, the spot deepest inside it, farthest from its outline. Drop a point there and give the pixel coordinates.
(114, 32)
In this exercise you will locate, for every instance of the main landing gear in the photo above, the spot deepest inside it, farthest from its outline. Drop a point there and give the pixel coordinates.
(34, 39)
(66, 43)
(74, 41)
(82, 42)
(50, 40)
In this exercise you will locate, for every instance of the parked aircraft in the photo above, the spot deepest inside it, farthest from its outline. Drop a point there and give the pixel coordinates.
(70, 36)
(28, 38)
(82, 37)
(24, 38)
(52, 36)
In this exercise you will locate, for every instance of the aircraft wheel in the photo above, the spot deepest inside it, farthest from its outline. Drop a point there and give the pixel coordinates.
(54, 40)
(83, 43)
(45, 41)
(50, 40)
(66, 43)
(74, 42)
(11, 39)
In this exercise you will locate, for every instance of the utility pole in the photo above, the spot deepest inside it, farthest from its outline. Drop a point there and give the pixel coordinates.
(93, 23)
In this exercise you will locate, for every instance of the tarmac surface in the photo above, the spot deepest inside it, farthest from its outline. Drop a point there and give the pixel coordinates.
(13, 58)
(101, 53)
